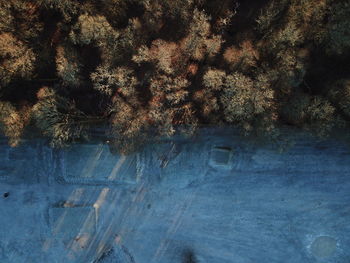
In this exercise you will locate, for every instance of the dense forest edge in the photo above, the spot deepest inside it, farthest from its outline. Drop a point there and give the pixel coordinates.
(156, 68)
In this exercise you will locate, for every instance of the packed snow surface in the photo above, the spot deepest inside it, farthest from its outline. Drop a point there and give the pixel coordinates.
(212, 199)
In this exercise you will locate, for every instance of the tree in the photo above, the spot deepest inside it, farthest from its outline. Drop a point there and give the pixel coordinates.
(16, 59)
(164, 66)
(129, 126)
(120, 81)
(68, 65)
(169, 106)
(68, 8)
(200, 42)
(339, 94)
(13, 121)
(165, 55)
(92, 29)
(338, 28)
(247, 102)
(58, 118)
(244, 57)
(22, 19)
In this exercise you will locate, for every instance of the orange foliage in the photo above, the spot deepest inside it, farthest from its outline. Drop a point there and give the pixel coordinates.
(192, 69)
(246, 53)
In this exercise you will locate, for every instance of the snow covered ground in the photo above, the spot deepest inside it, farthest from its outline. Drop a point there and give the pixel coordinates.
(215, 199)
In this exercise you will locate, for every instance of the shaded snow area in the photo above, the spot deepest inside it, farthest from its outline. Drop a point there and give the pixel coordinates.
(214, 199)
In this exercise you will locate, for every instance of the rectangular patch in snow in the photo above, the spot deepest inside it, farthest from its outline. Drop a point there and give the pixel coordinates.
(5, 173)
(18, 164)
(95, 164)
(72, 222)
(221, 157)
